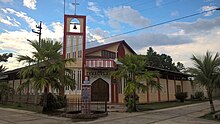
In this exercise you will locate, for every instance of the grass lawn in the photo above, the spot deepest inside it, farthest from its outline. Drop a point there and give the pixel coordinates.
(155, 106)
(22, 107)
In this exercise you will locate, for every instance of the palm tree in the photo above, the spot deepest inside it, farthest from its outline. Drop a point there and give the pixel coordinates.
(133, 69)
(48, 68)
(206, 71)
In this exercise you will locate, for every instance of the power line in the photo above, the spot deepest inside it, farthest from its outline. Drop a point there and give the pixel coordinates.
(161, 23)
(154, 25)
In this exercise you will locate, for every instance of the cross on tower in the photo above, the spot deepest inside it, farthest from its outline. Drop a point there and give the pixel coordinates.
(74, 4)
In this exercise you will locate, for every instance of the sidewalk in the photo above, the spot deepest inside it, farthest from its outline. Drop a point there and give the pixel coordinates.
(181, 114)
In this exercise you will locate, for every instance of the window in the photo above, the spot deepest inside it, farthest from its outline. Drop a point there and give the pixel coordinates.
(80, 43)
(68, 46)
(108, 54)
(74, 75)
(80, 54)
(120, 86)
(79, 79)
(125, 82)
(74, 46)
(67, 87)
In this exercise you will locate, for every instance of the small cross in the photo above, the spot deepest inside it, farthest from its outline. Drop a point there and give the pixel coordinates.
(74, 4)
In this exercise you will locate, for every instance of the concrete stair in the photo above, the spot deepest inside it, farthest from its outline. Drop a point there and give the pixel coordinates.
(116, 108)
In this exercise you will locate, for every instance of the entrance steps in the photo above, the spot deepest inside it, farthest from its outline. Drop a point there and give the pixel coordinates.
(116, 108)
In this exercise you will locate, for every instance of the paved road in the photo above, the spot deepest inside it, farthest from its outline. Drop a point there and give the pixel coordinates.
(178, 115)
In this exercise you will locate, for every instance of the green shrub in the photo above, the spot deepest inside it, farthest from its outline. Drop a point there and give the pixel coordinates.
(53, 102)
(181, 96)
(199, 95)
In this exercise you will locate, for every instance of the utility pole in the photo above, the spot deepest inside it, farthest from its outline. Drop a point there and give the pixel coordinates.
(38, 31)
(39, 34)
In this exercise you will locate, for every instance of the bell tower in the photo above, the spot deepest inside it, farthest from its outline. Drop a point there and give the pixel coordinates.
(74, 42)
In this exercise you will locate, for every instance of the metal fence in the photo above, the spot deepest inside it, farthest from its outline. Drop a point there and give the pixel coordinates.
(27, 99)
(75, 105)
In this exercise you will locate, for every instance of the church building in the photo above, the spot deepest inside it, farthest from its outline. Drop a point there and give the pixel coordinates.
(100, 61)
(94, 65)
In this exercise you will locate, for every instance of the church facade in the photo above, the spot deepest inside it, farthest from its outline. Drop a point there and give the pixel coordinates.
(94, 65)
(100, 61)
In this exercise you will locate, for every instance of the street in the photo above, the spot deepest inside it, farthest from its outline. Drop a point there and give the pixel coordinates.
(177, 115)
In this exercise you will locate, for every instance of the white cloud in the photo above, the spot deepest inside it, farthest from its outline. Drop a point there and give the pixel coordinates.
(9, 21)
(16, 41)
(184, 52)
(204, 34)
(92, 6)
(6, 1)
(207, 8)
(159, 2)
(208, 0)
(127, 15)
(174, 13)
(199, 26)
(31, 22)
(183, 39)
(31, 4)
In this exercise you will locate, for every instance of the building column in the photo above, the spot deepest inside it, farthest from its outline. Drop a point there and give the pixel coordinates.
(116, 92)
(182, 84)
(158, 80)
(112, 93)
(148, 100)
(174, 85)
(167, 83)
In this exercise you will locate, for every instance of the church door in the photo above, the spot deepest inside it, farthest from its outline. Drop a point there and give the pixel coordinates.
(100, 90)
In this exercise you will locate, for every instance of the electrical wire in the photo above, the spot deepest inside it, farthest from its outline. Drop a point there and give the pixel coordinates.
(161, 23)
(150, 26)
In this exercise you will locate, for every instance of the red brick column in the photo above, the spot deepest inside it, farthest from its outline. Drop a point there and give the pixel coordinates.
(116, 92)
(158, 80)
(148, 100)
(175, 84)
(182, 84)
(167, 83)
(112, 93)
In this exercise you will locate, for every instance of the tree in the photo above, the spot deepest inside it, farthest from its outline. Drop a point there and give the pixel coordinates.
(206, 71)
(134, 71)
(4, 58)
(5, 91)
(48, 68)
(163, 61)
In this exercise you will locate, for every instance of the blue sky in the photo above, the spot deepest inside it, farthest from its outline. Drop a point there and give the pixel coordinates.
(179, 39)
